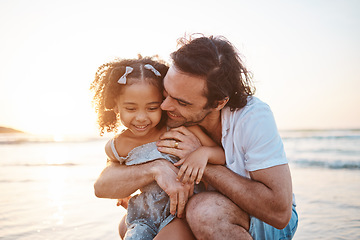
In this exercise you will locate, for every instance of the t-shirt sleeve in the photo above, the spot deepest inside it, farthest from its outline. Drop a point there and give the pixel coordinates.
(263, 147)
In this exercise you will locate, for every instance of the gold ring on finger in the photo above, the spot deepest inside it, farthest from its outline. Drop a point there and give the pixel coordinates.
(176, 144)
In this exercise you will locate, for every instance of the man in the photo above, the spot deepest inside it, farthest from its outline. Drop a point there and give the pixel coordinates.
(207, 85)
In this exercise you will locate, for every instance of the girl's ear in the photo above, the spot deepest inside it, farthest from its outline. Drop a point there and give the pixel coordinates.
(221, 104)
(116, 109)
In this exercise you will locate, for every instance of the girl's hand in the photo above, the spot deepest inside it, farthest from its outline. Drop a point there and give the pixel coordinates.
(193, 166)
(123, 202)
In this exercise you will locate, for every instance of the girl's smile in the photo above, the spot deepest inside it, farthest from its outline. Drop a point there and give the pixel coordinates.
(139, 108)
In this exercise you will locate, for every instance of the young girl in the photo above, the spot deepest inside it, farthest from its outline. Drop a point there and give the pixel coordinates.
(130, 91)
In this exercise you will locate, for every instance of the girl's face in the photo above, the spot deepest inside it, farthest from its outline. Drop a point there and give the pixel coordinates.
(139, 108)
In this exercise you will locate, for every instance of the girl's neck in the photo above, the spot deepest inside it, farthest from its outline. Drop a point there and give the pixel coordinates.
(152, 136)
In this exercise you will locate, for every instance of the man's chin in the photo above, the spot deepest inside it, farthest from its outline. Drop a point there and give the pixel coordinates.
(174, 124)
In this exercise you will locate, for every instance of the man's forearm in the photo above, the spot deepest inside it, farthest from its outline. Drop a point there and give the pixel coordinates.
(120, 181)
(270, 203)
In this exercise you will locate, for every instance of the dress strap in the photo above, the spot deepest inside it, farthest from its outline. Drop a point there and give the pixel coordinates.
(113, 149)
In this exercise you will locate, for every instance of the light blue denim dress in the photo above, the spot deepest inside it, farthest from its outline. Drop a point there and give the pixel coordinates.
(149, 211)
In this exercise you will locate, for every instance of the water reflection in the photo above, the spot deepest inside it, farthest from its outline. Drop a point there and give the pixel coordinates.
(57, 176)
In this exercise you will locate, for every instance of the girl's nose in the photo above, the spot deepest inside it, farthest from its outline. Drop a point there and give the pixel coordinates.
(141, 116)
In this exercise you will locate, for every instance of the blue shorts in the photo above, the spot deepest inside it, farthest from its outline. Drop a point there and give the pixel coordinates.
(260, 230)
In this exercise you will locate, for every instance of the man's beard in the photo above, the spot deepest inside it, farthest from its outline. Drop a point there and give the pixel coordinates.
(186, 124)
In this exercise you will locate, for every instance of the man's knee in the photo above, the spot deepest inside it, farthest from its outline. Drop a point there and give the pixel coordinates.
(203, 212)
(199, 208)
(210, 212)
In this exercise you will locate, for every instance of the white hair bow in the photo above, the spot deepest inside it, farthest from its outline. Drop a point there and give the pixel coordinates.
(151, 68)
(122, 79)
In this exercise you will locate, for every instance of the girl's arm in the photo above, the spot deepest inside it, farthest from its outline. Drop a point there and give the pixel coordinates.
(109, 152)
(193, 165)
(213, 151)
(111, 158)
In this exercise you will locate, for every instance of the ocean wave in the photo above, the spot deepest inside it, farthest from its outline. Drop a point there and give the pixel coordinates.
(40, 165)
(351, 134)
(329, 151)
(345, 137)
(28, 138)
(329, 164)
(18, 181)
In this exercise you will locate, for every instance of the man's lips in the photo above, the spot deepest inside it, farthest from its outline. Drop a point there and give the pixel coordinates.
(172, 115)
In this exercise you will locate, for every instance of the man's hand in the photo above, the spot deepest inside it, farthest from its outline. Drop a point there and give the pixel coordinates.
(179, 142)
(165, 175)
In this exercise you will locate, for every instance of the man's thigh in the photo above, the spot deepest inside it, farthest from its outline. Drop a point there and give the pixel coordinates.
(213, 213)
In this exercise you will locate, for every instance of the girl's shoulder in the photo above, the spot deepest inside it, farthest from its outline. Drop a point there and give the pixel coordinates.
(124, 143)
(118, 146)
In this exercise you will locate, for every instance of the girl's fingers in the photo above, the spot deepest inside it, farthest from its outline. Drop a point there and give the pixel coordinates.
(180, 162)
(187, 175)
(181, 172)
(193, 176)
(199, 176)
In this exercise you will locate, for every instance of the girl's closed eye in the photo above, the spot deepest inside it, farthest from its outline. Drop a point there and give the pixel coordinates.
(130, 109)
(153, 108)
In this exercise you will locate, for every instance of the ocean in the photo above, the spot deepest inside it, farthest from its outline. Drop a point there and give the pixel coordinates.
(46, 186)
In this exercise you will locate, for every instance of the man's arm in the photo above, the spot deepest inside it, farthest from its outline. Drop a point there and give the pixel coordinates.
(119, 181)
(267, 196)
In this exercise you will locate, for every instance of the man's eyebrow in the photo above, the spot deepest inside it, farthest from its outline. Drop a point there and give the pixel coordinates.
(181, 100)
(178, 99)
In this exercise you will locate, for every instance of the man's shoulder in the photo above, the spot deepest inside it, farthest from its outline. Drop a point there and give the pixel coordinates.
(254, 105)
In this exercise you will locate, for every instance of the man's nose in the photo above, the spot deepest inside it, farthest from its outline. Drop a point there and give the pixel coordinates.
(166, 104)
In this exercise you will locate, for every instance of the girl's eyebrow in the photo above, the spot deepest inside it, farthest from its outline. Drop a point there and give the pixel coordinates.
(132, 103)
(153, 103)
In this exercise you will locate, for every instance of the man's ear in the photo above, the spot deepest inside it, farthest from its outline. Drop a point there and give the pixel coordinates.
(221, 104)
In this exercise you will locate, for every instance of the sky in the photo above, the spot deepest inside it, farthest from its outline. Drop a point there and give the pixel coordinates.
(304, 55)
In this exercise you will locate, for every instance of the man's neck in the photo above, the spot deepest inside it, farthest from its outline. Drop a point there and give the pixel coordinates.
(212, 125)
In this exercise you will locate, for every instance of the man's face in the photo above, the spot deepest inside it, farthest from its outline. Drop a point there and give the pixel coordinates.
(185, 99)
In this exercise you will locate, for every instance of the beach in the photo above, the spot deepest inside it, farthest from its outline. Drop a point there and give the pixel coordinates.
(47, 191)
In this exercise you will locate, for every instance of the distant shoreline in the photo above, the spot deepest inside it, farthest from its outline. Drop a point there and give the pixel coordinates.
(9, 130)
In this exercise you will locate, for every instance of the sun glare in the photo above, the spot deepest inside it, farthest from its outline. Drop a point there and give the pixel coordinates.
(57, 155)
(56, 184)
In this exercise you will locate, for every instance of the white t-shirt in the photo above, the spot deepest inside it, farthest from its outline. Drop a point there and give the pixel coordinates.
(250, 138)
